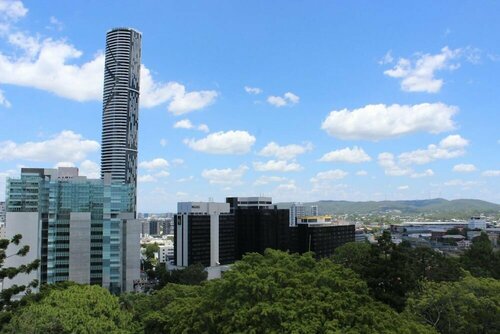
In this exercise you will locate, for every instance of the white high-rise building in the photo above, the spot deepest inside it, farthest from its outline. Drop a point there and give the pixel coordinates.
(297, 210)
(314, 210)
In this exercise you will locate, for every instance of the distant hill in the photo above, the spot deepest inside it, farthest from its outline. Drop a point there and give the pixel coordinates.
(428, 206)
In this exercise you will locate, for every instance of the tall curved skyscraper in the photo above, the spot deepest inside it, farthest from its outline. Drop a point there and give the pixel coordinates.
(120, 112)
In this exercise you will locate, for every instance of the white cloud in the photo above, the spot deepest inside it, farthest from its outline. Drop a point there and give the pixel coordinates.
(227, 176)
(65, 146)
(285, 152)
(386, 59)
(186, 124)
(288, 98)
(427, 172)
(203, 128)
(163, 142)
(162, 173)
(154, 164)
(187, 102)
(464, 168)
(378, 121)
(418, 75)
(276, 166)
(3, 100)
(183, 124)
(253, 90)
(230, 142)
(64, 164)
(12, 9)
(387, 162)
(450, 147)
(334, 174)
(263, 180)
(361, 173)
(85, 82)
(491, 173)
(90, 169)
(146, 178)
(405, 187)
(354, 155)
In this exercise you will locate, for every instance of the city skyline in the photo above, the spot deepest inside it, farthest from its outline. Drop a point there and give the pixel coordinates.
(400, 111)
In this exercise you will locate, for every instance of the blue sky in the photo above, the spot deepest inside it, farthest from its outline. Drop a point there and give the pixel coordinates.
(298, 100)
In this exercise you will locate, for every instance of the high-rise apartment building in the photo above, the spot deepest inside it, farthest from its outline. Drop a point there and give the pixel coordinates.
(297, 210)
(120, 111)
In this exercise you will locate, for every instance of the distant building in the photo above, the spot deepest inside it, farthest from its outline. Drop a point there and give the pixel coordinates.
(206, 229)
(476, 223)
(81, 229)
(314, 210)
(2, 211)
(204, 233)
(154, 226)
(297, 210)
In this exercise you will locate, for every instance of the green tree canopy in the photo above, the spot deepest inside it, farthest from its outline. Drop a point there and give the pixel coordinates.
(471, 305)
(275, 293)
(480, 259)
(83, 309)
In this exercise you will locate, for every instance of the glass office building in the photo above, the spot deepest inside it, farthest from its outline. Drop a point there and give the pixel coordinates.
(78, 225)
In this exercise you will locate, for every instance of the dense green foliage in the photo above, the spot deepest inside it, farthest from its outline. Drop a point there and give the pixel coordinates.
(363, 288)
(273, 293)
(393, 271)
(480, 259)
(194, 274)
(11, 272)
(471, 305)
(76, 309)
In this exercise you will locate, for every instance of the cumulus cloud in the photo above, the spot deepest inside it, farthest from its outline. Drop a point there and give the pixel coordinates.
(185, 179)
(418, 75)
(263, 180)
(276, 166)
(154, 164)
(285, 152)
(351, 155)
(90, 169)
(65, 146)
(491, 173)
(177, 161)
(334, 174)
(405, 187)
(361, 173)
(288, 186)
(288, 98)
(227, 176)
(163, 142)
(230, 142)
(253, 90)
(379, 121)
(461, 183)
(450, 147)
(186, 124)
(427, 172)
(464, 168)
(12, 9)
(48, 65)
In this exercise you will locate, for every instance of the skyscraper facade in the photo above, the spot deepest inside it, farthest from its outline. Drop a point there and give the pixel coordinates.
(81, 229)
(120, 112)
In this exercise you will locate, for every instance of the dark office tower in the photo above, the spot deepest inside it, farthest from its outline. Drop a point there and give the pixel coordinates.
(120, 112)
